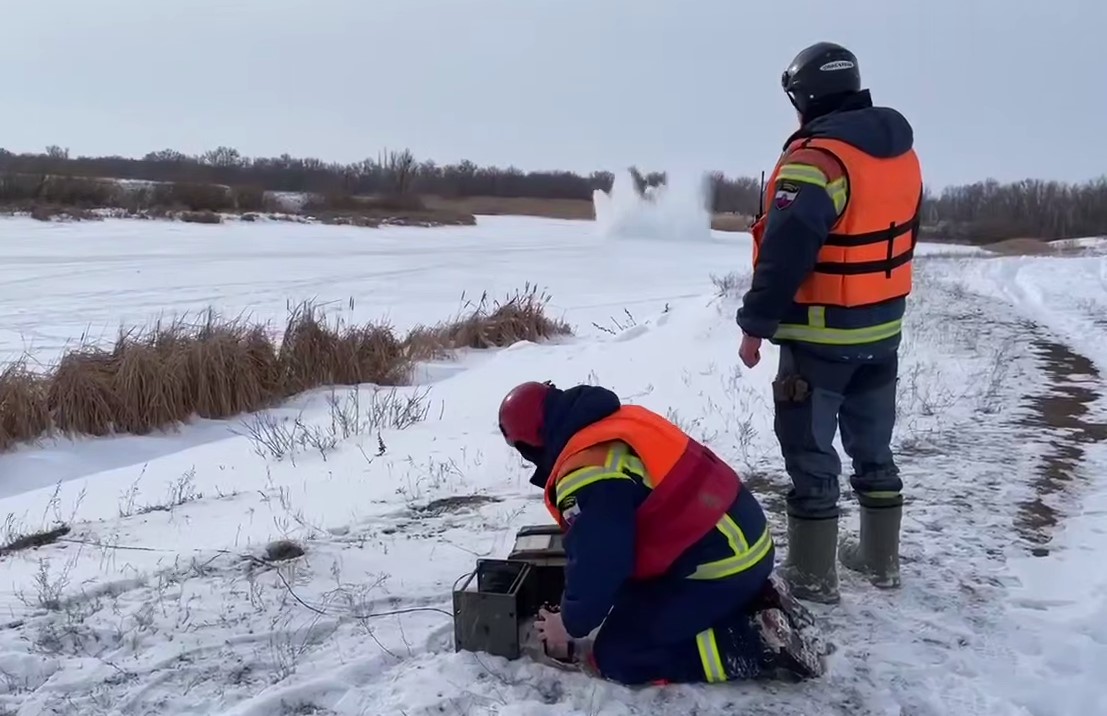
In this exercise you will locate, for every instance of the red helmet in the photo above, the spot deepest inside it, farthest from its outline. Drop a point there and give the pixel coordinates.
(522, 411)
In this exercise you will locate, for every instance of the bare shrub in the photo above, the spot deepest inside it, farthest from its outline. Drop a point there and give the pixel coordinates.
(49, 197)
(368, 222)
(376, 204)
(248, 198)
(332, 201)
(618, 325)
(194, 196)
(388, 208)
(201, 201)
(49, 589)
(272, 436)
(180, 492)
(283, 551)
(56, 212)
(20, 188)
(34, 540)
(78, 191)
(731, 222)
(279, 437)
(395, 202)
(730, 285)
(385, 410)
(981, 212)
(201, 217)
(41, 212)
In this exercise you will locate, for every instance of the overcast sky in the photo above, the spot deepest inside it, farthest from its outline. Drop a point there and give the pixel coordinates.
(1002, 88)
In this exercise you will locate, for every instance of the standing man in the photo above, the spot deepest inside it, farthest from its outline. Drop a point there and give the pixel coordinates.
(831, 272)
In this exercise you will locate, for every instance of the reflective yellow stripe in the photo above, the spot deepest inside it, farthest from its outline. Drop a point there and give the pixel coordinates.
(709, 655)
(618, 462)
(632, 464)
(816, 316)
(839, 193)
(733, 534)
(838, 336)
(615, 454)
(585, 476)
(804, 173)
(838, 190)
(729, 566)
(882, 494)
(617, 458)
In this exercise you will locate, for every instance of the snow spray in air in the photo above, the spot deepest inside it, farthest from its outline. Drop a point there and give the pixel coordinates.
(675, 211)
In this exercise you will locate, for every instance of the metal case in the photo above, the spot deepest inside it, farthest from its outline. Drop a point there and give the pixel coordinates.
(494, 602)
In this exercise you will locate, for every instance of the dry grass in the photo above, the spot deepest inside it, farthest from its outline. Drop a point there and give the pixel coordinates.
(51, 198)
(731, 222)
(580, 209)
(200, 217)
(313, 353)
(54, 197)
(1038, 247)
(24, 414)
(373, 211)
(156, 378)
(489, 323)
(515, 206)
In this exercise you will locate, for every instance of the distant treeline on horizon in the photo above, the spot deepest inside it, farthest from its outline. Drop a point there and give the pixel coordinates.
(983, 211)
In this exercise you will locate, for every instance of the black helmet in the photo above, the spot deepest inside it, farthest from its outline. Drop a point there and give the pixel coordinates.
(820, 71)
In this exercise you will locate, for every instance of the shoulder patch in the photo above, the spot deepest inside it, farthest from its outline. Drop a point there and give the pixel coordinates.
(786, 192)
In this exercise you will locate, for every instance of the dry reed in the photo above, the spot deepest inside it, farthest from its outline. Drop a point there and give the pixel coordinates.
(155, 379)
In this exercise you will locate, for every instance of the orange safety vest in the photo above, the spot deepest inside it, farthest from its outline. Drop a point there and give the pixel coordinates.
(691, 488)
(867, 256)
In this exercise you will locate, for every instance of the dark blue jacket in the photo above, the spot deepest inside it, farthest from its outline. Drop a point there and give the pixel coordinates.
(793, 237)
(600, 542)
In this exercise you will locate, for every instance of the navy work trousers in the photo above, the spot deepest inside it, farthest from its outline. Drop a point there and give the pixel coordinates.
(650, 633)
(813, 398)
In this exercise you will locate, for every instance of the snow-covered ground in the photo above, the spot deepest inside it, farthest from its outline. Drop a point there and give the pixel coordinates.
(152, 603)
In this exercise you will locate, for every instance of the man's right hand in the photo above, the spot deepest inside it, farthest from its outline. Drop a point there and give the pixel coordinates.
(750, 350)
(552, 631)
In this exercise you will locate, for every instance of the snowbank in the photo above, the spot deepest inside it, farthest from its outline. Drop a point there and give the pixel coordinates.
(676, 211)
(1064, 293)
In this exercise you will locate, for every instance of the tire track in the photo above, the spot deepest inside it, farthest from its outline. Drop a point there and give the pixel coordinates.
(1064, 412)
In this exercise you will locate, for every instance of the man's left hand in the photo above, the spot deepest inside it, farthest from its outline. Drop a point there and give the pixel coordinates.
(750, 350)
(552, 630)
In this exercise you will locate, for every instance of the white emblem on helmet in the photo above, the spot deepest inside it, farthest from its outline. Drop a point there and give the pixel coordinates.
(837, 65)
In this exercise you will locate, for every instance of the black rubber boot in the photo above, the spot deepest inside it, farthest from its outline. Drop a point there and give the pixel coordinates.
(810, 568)
(777, 595)
(876, 555)
(789, 653)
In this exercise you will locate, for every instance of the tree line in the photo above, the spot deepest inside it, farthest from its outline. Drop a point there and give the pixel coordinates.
(983, 211)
